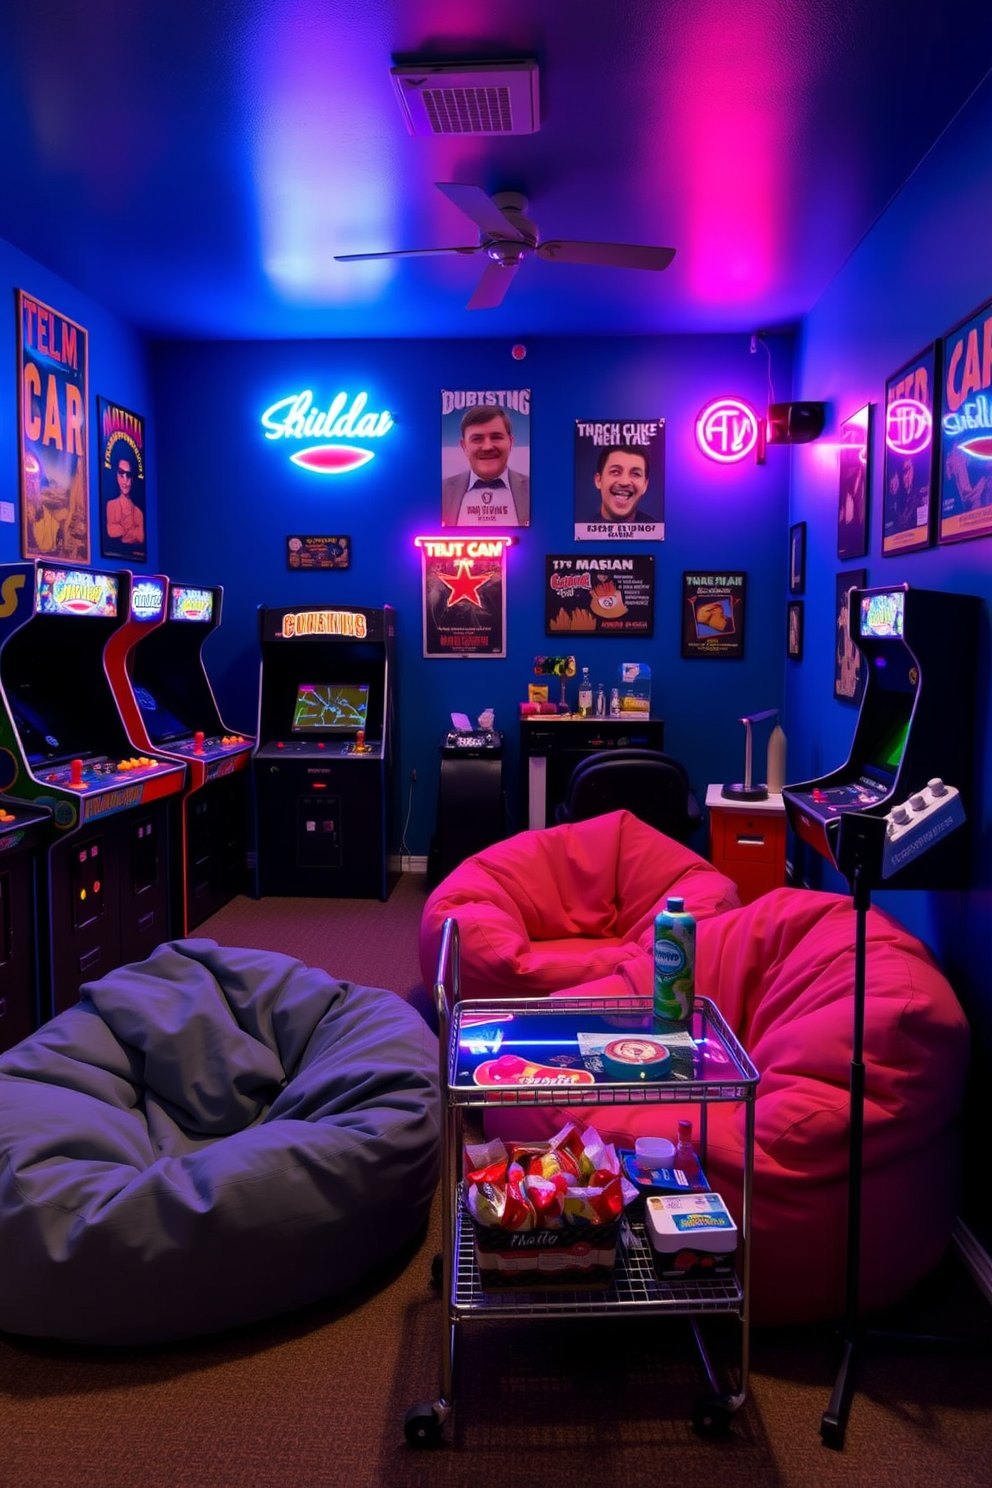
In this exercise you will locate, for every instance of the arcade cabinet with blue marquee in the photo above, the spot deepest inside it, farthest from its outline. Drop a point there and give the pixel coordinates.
(63, 745)
(156, 668)
(325, 808)
(888, 812)
(894, 816)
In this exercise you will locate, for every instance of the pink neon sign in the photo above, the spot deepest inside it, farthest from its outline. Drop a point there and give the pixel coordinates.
(908, 426)
(727, 430)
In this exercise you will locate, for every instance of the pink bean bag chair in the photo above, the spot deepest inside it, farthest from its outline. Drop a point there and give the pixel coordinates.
(551, 908)
(781, 970)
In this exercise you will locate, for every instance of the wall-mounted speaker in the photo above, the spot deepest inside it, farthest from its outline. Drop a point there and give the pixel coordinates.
(795, 423)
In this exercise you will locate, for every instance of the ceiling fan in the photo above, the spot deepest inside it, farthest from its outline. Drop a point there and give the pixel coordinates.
(507, 237)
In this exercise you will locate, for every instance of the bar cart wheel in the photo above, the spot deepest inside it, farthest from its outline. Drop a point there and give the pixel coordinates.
(422, 1425)
(712, 1415)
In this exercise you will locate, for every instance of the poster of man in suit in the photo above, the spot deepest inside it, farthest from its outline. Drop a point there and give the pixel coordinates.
(485, 457)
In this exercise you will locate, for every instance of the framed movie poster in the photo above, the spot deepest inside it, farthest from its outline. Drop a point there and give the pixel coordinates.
(794, 632)
(713, 615)
(855, 485)
(464, 595)
(849, 678)
(52, 376)
(965, 434)
(122, 482)
(797, 558)
(485, 457)
(908, 465)
(619, 480)
(599, 596)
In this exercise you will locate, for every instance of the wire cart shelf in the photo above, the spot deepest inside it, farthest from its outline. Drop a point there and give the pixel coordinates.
(718, 1069)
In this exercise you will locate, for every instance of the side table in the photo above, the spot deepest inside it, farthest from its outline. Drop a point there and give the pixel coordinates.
(747, 841)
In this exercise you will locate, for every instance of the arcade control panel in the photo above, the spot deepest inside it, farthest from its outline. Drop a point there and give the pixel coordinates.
(917, 824)
(208, 747)
(357, 748)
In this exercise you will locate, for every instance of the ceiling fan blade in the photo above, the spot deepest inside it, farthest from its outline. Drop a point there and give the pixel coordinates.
(492, 287)
(609, 255)
(483, 211)
(404, 253)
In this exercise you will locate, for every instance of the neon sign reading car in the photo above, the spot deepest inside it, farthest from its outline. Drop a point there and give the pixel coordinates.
(295, 418)
(727, 430)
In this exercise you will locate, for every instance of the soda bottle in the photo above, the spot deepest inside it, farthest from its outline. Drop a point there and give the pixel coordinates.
(674, 964)
(685, 1158)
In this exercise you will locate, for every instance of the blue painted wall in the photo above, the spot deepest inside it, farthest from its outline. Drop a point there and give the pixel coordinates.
(925, 266)
(229, 498)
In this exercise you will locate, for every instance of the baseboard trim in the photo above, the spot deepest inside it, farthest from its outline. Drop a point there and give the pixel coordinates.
(975, 1257)
(405, 863)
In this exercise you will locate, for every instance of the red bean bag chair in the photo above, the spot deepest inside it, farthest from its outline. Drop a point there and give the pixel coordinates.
(562, 905)
(781, 970)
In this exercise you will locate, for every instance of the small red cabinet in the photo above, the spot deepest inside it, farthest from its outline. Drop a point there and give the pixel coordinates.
(747, 841)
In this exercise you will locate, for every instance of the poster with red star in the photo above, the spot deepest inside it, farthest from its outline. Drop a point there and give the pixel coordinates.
(464, 592)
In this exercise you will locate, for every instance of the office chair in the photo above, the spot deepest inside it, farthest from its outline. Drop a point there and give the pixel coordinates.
(652, 785)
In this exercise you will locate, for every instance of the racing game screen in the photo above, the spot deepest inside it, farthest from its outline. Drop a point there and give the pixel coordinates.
(327, 707)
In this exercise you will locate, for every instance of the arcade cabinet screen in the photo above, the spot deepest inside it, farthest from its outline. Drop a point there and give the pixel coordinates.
(162, 725)
(191, 604)
(326, 707)
(888, 755)
(882, 615)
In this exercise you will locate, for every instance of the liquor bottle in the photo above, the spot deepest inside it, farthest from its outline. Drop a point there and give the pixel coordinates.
(600, 700)
(585, 694)
(615, 702)
(674, 964)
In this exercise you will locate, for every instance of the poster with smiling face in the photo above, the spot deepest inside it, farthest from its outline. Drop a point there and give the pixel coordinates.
(122, 482)
(619, 480)
(485, 457)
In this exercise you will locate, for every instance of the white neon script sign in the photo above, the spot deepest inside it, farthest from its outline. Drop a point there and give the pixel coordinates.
(727, 430)
(296, 418)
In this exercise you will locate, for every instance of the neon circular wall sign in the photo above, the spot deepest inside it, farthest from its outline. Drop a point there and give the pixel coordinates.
(727, 430)
(908, 426)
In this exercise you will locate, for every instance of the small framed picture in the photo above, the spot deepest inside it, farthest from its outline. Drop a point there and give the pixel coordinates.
(794, 634)
(855, 485)
(797, 558)
(849, 672)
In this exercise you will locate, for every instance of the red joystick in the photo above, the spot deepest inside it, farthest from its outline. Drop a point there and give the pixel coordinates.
(198, 742)
(76, 772)
(360, 739)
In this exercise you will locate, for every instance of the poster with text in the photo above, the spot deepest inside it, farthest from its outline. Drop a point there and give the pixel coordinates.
(965, 434)
(713, 615)
(464, 596)
(122, 482)
(619, 480)
(907, 466)
(602, 595)
(485, 457)
(52, 379)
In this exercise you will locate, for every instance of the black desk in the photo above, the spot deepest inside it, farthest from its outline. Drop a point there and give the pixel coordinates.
(551, 747)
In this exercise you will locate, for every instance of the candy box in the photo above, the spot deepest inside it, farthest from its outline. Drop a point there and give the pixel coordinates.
(692, 1236)
(528, 1260)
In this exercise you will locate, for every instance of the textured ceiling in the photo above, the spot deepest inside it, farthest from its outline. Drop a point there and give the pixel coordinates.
(196, 166)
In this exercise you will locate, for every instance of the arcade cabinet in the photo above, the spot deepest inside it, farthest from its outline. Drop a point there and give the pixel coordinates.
(894, 816)
(25, 832)
(63, 745)
(877, 813)
(156, 669)
(325, 807)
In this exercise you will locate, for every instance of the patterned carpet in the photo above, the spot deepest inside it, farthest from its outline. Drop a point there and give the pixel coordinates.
(317, 1399)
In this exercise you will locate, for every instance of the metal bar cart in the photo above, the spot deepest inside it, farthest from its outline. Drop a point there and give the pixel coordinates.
(711, 1066)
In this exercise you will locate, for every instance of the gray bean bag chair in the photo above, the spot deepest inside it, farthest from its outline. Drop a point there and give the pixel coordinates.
(209, 1137)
